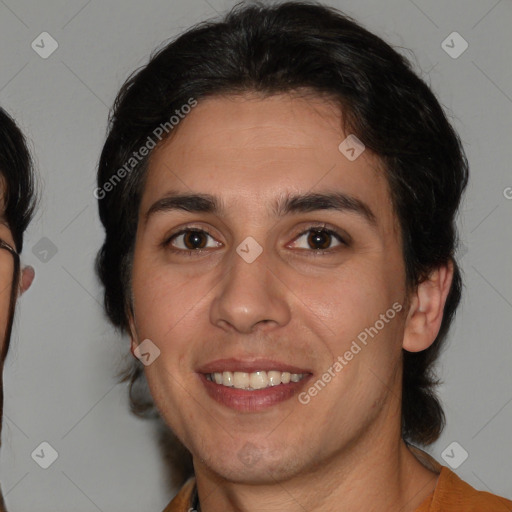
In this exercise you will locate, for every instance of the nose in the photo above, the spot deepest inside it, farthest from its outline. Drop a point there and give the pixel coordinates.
(250, 295)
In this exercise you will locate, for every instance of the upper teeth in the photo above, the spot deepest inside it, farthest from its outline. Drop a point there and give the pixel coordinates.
(255, 380)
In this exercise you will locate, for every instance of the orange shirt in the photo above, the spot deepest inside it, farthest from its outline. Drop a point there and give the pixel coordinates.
(454, 495)
(451, 494)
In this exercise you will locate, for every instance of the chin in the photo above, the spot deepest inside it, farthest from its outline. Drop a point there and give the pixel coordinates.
(253, 464)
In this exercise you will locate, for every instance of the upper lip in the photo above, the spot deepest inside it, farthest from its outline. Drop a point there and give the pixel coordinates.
(249, 366)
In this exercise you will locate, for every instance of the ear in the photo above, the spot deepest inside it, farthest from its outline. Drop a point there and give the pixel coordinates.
(426, 309)
(27, 276)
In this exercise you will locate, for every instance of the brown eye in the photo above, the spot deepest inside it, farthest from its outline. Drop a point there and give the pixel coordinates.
(320, 239)
(194, 240)
(190, 240)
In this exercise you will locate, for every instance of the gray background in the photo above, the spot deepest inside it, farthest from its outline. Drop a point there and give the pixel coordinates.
(60, 374)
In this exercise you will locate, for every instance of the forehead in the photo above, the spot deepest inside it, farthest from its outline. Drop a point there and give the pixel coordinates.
(249, 150)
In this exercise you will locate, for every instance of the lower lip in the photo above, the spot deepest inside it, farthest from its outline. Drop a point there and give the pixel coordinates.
(252, 401)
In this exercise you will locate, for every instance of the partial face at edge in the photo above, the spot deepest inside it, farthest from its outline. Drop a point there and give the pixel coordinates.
(292, 306)
(7, 269)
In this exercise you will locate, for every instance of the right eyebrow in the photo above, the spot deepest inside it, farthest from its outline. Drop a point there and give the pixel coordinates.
(194, 203)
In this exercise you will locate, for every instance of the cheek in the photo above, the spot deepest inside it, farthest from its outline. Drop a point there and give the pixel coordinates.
(162, 299)
(346, 302)
(357, 314)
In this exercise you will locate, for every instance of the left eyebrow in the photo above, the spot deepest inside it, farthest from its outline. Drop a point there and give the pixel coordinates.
(285, 205)
(339, 201)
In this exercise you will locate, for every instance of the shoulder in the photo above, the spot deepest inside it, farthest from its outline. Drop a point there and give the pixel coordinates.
(452, 493)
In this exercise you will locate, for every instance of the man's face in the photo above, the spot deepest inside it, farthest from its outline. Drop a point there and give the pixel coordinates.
(292, 309)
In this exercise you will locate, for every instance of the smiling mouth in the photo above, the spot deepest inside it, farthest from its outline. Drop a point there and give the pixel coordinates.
(254, 380)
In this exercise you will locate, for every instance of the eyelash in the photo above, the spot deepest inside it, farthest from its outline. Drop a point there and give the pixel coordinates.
(314, 252)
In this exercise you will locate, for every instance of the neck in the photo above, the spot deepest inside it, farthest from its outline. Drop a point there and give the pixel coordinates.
(371, 476)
